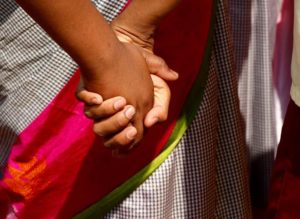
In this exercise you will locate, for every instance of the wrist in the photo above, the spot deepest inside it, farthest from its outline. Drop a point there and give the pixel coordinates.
(95, 65)
(136, 32)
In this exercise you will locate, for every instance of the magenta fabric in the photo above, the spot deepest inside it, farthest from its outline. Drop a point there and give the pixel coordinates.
(58, 167)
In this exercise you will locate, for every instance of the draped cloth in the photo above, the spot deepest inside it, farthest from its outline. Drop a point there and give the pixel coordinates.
(284, 187)
(206, 176)
(192, 166)
(262, 34)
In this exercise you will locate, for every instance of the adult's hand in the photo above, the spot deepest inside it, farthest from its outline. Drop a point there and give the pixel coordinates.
(127, 75)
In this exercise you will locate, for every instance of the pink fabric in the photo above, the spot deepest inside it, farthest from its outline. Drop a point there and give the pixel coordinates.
(58, 167)
(49, 153)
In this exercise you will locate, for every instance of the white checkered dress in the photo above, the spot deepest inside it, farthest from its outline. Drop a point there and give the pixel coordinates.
(254, 26)
(33, 69)
(206, 175)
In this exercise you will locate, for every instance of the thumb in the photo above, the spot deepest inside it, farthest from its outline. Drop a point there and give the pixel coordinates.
(162, 95)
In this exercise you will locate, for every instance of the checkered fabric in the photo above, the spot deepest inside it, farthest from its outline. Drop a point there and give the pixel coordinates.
(28, 60)
(206, 175)
(254, 26)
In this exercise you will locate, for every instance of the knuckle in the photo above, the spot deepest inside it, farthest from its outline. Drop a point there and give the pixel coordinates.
(121, 121)
(103, 110)
(98, 131)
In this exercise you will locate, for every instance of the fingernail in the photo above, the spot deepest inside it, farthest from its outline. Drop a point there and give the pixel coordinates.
(131, 133)
(129, 113)
(119, 104)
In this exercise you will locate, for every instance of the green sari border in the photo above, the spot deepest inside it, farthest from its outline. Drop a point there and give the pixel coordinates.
(100, 208)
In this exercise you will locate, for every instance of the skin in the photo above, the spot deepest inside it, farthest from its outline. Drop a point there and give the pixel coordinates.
(135, 26)
(103, 59)
(112, 120)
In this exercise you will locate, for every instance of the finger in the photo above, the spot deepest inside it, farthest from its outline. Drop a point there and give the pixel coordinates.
(114, 123)
(162, 95)
(107, 108)
(138, 123)
(123, 139)
(159, 67)
(89, 98)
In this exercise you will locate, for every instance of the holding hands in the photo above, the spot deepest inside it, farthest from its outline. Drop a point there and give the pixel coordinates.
(115, 61)
(119, 120)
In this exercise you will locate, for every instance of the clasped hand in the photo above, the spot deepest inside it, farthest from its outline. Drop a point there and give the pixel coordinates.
(134, 95)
